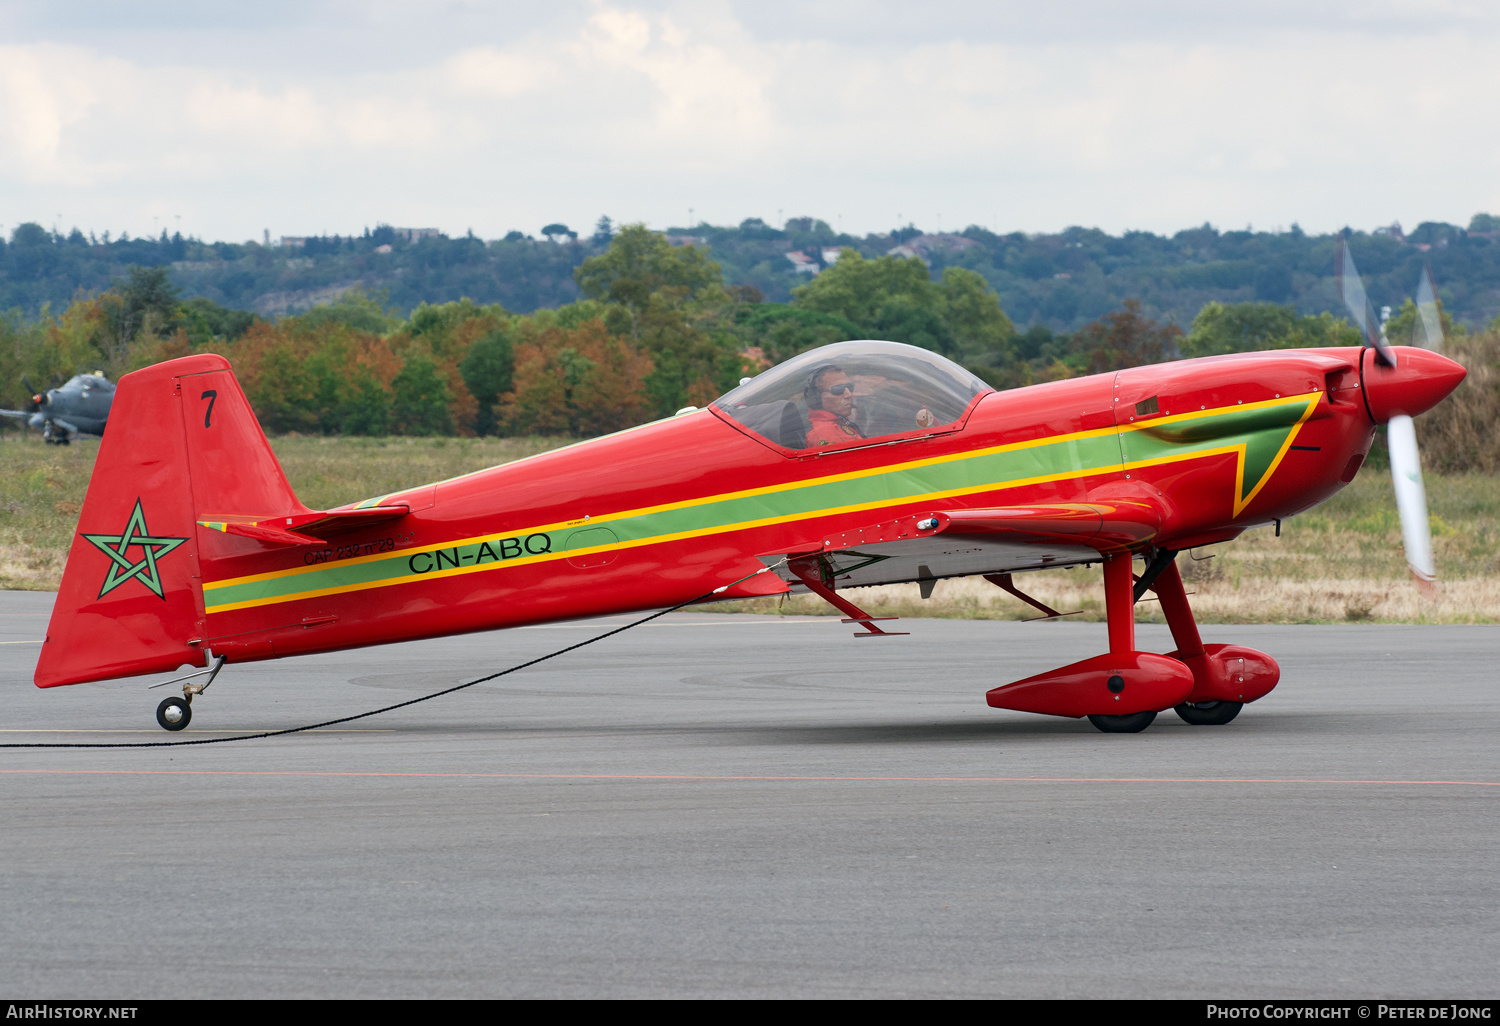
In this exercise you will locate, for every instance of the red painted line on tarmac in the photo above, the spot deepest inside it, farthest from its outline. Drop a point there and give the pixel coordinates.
(749, 777)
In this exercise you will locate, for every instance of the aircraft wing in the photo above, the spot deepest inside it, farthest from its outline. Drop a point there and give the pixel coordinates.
(310, 528)
(962, 542)
(18, 414)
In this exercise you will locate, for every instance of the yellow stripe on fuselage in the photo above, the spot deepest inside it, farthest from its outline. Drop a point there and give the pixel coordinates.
(594, 521)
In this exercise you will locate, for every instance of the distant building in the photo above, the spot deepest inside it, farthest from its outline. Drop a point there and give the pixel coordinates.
(294, 241)
(686, 240)
(802, 262)
(1393, 230)
(924, 246)
(831, 254)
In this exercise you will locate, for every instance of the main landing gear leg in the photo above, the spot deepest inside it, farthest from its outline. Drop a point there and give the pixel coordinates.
(1119, 609)
(1120, 691)
(1225, 677)
(1174, 605)
(176, 713)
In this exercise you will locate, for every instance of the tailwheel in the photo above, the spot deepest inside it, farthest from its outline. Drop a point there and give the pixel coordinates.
(1208, 714)
(174, 713)
(1129, 723)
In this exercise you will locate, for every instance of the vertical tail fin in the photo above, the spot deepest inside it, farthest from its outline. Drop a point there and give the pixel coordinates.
(182, 440)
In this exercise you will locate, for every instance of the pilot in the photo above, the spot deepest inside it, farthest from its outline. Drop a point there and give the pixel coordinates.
(830, 407)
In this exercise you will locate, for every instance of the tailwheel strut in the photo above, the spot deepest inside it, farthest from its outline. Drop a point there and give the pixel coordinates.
(176, 713)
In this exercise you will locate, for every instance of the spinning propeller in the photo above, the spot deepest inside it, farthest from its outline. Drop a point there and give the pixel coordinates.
(1353, 291)
(1400, 431)
(37, 398)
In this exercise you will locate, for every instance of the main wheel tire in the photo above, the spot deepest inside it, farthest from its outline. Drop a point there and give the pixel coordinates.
(174, 713)
(1208, 714)
(1130, 723)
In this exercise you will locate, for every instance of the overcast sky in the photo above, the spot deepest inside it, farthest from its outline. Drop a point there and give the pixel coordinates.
(228, 119)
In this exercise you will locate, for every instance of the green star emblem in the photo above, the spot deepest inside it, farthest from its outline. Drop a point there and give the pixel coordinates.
(121, 568)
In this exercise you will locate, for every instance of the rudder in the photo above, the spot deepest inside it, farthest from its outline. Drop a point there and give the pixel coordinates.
(182, 441)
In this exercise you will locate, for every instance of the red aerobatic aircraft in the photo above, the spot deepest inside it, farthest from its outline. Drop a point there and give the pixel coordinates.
(855, 464)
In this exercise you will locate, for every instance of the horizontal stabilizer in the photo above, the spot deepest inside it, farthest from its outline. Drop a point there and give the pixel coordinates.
(310, 528)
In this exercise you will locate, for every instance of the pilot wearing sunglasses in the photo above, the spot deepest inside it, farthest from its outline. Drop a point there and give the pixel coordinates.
(830, 407)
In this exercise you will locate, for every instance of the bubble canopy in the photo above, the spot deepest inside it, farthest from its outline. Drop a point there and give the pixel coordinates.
(897, 390)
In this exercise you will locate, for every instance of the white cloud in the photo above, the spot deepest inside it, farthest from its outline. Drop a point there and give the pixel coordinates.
(701, 90)
(489, 71)
(643, 111)
(43, 101)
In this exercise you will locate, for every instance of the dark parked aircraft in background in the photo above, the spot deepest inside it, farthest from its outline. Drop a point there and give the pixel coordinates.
(79, 407)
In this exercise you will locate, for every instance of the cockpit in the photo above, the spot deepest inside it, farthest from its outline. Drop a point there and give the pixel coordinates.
(850, 393)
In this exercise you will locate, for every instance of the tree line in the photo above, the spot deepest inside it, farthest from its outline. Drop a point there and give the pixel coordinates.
(1061, 280)
(655, 328)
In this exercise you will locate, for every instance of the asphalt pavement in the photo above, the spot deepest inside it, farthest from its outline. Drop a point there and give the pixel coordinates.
(746, 806)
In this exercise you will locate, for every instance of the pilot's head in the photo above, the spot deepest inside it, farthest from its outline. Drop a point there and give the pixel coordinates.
(829, 388)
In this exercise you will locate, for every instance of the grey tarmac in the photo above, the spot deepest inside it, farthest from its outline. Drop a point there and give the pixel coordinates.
(745, 806)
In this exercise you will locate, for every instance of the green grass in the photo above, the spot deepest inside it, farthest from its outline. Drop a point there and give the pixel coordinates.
(42, 486)
(1357, 534)
(328, 472)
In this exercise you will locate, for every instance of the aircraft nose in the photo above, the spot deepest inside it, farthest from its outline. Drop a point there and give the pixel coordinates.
(1420, 380)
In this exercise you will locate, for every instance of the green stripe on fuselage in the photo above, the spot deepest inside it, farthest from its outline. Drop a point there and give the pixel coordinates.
(1262, 430)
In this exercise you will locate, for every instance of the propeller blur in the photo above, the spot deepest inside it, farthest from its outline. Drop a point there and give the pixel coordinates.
(1427, 332)
(1411, 497)
(1353, 291)
(1392, 394)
